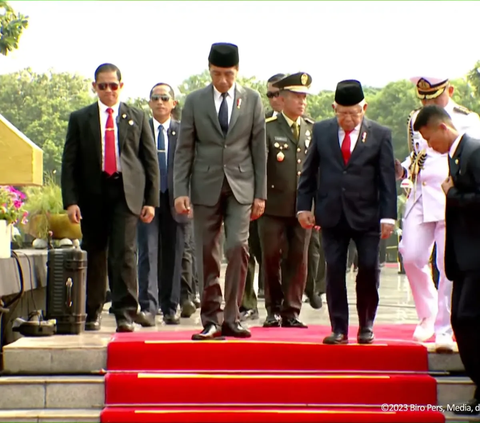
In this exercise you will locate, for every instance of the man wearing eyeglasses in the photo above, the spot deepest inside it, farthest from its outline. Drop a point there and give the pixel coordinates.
(110, 178)
(221, 156)
(349, 171)
(273, 94)
(161, 242)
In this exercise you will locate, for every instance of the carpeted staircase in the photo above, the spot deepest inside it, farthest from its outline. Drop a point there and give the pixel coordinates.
(278, 375)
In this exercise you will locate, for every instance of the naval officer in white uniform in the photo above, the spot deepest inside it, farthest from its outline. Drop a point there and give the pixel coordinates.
(424, 219)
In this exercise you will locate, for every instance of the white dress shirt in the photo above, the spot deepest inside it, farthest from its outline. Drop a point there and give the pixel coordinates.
(103, 115)
(166, 127)
(353, 136)
(454, 146)
(217, 96)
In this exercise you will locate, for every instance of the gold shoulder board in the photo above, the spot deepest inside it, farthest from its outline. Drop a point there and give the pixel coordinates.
(462, 109)
(308, 120)
(270, 119)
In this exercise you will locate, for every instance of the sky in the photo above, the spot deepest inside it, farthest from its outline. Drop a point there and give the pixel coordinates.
(160, 41)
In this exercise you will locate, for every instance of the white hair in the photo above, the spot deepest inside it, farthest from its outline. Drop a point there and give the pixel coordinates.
(361, 104)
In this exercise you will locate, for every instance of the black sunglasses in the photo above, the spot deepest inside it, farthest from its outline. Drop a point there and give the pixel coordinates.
(102, 86)
(156, 97)
(273, 95)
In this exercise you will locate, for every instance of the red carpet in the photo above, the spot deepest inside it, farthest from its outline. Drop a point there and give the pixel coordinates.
(270, 415)
(274, 349)
(278, 375)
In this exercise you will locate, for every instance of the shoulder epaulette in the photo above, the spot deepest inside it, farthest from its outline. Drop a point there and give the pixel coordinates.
(462, 109)
(270, 119)
(308, 120)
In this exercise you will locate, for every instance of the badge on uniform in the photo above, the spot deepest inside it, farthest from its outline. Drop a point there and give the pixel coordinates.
(406, 184)
(307, 139)
(280, 157)
(364, 137)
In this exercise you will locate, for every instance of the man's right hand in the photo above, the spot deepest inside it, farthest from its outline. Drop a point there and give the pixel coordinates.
(74, 214)
(182, 205)
(306, 219)
(399, 170)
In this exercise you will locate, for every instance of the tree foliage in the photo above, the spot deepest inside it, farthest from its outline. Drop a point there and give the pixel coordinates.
(39, 105)
(12, 25)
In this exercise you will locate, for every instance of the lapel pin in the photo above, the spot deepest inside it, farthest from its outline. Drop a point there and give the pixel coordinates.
(280, 157)
(307, 142)
(130, 122)
(285, 146)
(239, 103)
(124, 116)
(456, 161)
(173, 132)
(307, 133)
(276, 145)
(364, 137)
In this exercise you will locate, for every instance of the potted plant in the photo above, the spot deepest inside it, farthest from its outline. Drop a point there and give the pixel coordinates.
(12, 211)
(46, 214)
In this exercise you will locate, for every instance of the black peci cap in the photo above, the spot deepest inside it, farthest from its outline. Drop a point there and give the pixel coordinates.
(223, 55)
(349, 93)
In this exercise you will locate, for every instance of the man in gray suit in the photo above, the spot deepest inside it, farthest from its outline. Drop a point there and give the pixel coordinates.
(221, 151)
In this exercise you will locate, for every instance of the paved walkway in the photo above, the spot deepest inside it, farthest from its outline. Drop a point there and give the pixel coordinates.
(396, 306)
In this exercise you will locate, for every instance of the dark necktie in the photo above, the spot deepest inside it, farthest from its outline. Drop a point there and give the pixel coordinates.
(223, 114)
(162, 159)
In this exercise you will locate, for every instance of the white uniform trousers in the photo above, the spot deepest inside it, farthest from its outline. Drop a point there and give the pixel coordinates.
(416, 248)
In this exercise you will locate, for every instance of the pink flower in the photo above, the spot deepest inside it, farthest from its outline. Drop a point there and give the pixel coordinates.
(17, 204)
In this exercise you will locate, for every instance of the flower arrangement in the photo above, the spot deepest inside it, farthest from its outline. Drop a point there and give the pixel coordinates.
(12, 205)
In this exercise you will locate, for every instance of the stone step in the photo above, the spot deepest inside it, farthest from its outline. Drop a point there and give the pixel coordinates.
(50, 416)
(51, 392)
(454, 389)
(67, 354)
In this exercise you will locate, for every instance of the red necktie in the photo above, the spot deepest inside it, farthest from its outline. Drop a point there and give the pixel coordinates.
(110, 156)
(346, 145)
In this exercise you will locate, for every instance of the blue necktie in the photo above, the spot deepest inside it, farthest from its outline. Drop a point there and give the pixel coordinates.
(223, 114)
(162, 159)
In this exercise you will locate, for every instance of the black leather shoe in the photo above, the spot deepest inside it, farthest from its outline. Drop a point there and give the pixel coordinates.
(209, 333)
(236, 330)
(293, 323)
(124, 326)
(272, 321)
(171, 319)
(335, 339)
(188, 308)
(471, 407)
(365, 336)
(248, 315)
(196, 301)
(145, 319)
(93, 324)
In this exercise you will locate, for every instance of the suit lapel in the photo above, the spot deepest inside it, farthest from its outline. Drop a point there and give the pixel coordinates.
(237, 104)
(334, 128)
(362, 137)
(172, 142)
(94, 122)
(123, 119)
(211, 110)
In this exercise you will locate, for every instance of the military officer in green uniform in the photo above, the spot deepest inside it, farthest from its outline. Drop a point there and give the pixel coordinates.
(288, 138)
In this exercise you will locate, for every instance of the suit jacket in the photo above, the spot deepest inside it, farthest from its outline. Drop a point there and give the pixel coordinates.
(284, 164)
(173, 132)
(462, 239)
(364, 190)
(205, 156)
(82, 159)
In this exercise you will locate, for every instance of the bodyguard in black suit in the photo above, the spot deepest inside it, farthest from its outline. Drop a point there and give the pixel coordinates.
(109, 179)
(462, 246)
(161, 243)
(349, 169)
